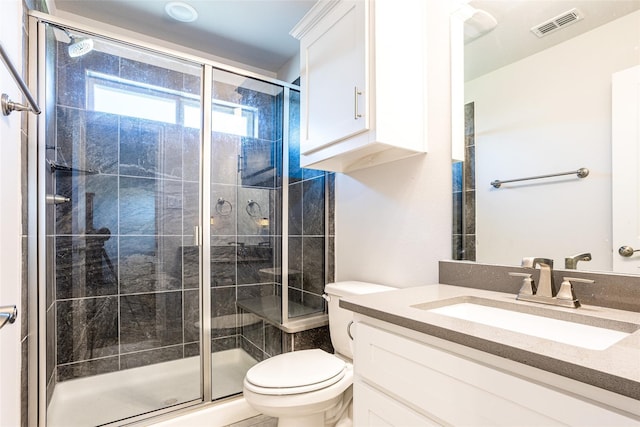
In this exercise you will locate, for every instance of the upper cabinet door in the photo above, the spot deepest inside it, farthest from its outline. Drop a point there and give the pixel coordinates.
(363, 83)
(334, 78)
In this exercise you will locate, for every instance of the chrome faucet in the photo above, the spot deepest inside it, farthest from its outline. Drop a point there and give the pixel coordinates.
(571, 263)
(545, 291)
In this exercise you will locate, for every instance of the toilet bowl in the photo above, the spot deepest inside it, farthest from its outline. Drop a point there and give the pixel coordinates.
(311, 388)
(300, 388)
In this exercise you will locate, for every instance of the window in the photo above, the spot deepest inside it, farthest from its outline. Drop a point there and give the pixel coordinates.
(114, 95)
(115, 100)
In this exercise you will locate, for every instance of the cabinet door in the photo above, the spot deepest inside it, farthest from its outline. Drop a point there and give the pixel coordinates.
(460, 391)
(333, 77)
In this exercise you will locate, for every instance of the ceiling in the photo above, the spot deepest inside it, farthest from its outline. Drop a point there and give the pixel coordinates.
(251, 32)
(512, 39)
(256, 32)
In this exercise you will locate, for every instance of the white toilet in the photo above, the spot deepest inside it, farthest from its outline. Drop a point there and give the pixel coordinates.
(310, 388)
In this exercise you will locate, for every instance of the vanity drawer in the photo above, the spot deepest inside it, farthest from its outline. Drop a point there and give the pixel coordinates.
(378, 409)
(459, 391)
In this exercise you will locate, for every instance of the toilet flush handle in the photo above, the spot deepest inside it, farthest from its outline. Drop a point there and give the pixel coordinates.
(349, 330)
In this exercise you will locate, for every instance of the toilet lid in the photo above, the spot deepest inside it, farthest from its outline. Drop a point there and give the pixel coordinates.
(297, 372)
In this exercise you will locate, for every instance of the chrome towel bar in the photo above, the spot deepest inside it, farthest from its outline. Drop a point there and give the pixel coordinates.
(9, 106)
(580, 173)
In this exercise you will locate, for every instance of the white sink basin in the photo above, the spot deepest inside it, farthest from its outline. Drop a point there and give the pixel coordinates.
(580, 333)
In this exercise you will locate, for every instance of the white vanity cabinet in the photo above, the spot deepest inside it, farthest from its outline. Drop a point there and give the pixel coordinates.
(363, 83)
(400, 381)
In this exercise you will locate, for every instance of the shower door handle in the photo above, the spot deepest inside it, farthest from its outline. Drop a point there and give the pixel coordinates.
(196, 235)
(8, 314)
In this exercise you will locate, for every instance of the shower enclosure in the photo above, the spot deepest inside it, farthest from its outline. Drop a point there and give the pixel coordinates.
(179, 242)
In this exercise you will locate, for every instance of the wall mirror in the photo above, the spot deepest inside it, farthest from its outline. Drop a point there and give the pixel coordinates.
(549, 87)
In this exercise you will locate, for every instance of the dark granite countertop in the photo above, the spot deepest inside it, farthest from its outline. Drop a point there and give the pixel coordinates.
(616, 368)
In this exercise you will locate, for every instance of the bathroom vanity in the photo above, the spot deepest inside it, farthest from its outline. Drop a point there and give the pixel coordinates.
(418, 361)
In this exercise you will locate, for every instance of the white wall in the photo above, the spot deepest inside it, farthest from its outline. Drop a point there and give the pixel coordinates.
(10, 217)
(550, 113)
(393, 222)
(290, 70)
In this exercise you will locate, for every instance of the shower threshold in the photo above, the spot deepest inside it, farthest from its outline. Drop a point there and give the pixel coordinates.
(114, 396)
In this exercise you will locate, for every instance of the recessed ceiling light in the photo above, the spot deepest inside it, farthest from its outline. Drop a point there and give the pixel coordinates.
(181, 11)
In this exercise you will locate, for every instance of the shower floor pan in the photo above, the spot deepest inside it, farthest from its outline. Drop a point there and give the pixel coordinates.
(106, 398)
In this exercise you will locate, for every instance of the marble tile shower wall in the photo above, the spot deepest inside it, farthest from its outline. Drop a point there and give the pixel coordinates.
(118, 289)
(246, 217)
(310, 217)
(464, 195)
(311, 232)
(263, 340)
(126, 292)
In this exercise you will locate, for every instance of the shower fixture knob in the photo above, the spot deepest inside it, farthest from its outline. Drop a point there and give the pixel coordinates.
(56, 199)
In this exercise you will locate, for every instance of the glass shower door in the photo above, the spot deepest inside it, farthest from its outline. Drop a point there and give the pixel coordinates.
(245, 225)
(120, 168)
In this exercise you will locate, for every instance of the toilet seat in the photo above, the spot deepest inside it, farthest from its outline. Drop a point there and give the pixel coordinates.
(296, 372)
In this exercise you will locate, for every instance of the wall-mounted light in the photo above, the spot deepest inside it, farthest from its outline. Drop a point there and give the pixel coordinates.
(478, 22)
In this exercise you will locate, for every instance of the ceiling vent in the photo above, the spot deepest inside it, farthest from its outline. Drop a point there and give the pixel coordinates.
(557, 23)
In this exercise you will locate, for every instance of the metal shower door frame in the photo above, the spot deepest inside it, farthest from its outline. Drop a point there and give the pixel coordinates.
(37, 273)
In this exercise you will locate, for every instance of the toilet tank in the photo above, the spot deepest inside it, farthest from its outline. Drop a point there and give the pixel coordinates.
(339, 318)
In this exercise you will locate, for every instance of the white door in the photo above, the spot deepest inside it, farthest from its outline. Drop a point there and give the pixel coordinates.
(626, 169)
(10, 217)
(10, 263)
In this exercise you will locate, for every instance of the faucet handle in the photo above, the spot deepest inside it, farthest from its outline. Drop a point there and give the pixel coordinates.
(528, 287)
(528, 262)
(566, 289)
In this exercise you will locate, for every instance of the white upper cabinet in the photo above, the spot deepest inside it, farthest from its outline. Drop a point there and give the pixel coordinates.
(335, 77)
(363, 82)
